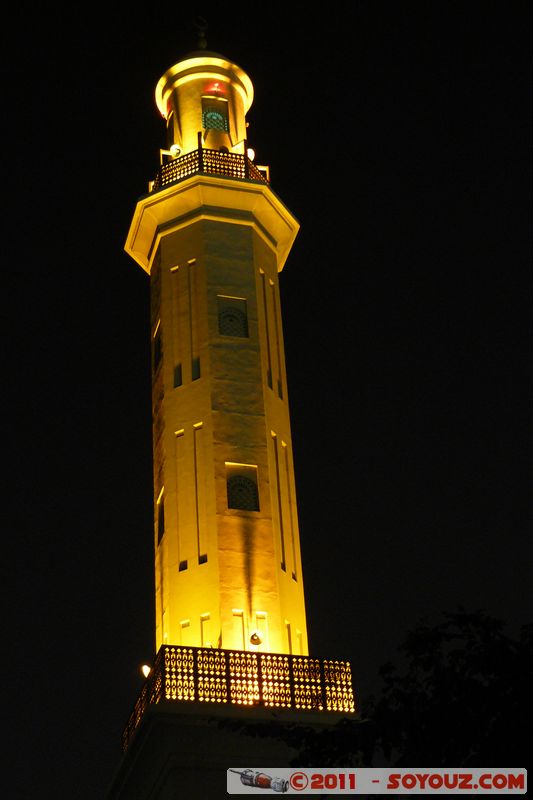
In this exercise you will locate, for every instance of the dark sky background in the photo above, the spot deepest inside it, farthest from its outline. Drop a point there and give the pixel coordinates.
(399, 135)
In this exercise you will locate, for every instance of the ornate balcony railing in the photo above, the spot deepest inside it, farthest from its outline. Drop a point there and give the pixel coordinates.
(234, 677)
(207, 162)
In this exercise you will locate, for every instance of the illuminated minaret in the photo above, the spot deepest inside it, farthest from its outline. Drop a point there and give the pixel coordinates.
(213, 237)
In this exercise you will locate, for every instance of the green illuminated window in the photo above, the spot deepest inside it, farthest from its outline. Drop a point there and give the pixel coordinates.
(215, 118)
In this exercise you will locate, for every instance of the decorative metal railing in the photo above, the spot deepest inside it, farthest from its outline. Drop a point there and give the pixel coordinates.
(272, 680)
(207, 162)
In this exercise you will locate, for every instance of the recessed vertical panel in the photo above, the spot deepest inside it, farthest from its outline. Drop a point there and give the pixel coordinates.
(192, 297)
(261, 631)
(186, 633)
(264, 303)
(288, 632)
(205, 631)
(177, 333)
(277, 338)
(279, 502)
(239, 633)
(200, 474)
(179, 458)
(291, 509)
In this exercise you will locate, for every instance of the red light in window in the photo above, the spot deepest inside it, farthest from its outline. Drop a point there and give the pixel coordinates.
(215, 88)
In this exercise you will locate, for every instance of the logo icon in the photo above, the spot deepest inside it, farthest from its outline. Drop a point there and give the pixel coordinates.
(251, 777)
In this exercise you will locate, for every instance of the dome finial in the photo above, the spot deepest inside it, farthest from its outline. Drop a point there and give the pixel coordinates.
(201, 27)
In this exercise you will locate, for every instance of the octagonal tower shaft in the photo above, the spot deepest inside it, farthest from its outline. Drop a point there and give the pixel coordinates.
(213, 237)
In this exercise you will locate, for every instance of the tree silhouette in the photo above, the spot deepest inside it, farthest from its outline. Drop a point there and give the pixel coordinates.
(462, 696)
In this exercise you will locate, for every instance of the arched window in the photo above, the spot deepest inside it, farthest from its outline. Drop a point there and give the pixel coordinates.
(232, 317)
(215, 114)
(242, 493)
(232, 322)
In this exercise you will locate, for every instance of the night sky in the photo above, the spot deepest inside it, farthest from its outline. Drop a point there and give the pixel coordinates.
(399, 136)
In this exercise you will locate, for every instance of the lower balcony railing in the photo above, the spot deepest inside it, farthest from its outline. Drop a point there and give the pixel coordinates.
(235, 677)
(207, 162)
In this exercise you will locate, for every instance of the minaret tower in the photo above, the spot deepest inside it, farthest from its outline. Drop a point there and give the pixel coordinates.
(231, 635)
(213, 237)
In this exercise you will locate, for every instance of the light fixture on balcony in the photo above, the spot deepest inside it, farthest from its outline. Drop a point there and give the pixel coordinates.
(256, 637)
(250, 153)
(146, 670)
(175, 150)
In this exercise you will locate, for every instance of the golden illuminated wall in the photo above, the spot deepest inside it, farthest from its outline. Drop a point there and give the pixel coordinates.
(200, 85)
(227, 552)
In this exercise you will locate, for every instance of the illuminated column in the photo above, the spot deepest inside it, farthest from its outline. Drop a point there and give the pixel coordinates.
(213, 237)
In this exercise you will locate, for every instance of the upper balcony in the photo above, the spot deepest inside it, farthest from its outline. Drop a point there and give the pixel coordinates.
(208, 162)
(209, 181)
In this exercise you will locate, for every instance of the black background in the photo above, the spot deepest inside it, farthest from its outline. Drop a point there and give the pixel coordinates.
(399, 136)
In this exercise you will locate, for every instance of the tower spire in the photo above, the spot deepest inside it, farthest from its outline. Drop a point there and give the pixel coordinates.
(201, 29)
